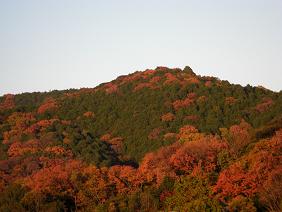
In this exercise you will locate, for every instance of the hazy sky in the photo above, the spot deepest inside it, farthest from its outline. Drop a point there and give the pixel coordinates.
(60, 44)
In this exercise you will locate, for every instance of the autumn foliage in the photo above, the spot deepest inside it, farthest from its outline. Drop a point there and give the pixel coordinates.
(8, 102)
(255, 173)
(158, 140)
(185, 102)
(48, 105)
(168, 117)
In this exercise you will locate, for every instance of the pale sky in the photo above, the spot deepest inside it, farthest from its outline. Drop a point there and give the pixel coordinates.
(61, 44)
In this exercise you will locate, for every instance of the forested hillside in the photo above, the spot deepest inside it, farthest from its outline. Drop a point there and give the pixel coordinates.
(163, 139)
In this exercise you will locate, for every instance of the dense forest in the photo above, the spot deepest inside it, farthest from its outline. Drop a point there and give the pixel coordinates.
(154, 140)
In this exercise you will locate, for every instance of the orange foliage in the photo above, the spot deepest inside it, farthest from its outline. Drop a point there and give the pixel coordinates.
(155, 79)
(125, 178)
(132, 77)
(168, 117)
(46, 123)
(240, 136)
(202, 151)
(186, 130)
(58, 150)
(155, 166)
(170, 78)
(105, 137)
(143, 85)
(192, 80)
(95, 185)
(89, 114)
(116, 143)
(54, 179)
(8, 102)
(19, 149)
(247, 176)
(81, 91)
(188, 133)
(236, 180)
(49, 104)
(19, 122)
(185, 102)
(162, 68)
(40, 125)
(170, 136)
(208, 84)
(149, 72)
(190, 157)
(111, 88)
(270, 193)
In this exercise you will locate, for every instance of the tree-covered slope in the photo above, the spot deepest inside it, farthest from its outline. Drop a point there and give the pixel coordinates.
(171, 112)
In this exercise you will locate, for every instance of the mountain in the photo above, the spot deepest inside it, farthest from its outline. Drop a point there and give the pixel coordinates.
(152, 140)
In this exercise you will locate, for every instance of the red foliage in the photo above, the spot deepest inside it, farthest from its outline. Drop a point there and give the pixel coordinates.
(49, 104)
(247, 176)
